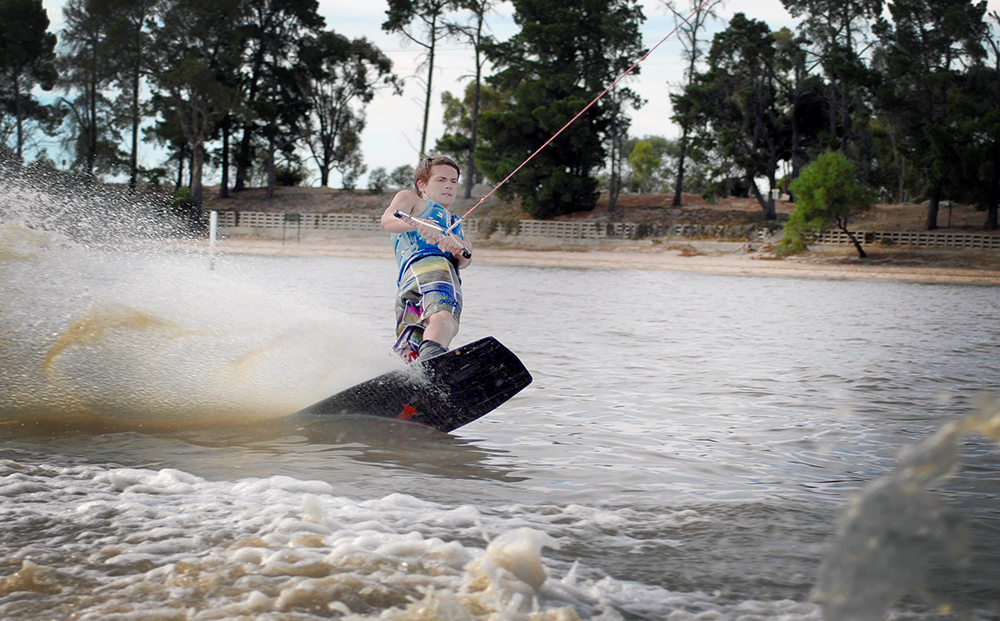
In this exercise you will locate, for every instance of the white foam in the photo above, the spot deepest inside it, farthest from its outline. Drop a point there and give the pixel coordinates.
(164, 542)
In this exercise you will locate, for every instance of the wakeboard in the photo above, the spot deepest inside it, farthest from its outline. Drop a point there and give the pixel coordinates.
(444, 392)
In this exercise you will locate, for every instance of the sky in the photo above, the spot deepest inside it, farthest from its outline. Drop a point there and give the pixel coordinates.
(392, 135)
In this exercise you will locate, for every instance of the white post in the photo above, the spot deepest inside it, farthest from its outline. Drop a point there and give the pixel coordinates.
(213, 228)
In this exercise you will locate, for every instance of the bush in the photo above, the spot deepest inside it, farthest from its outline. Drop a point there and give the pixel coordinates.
(290, 176)
(186, 210)
(378, 180)
(826, 193)
(402, 177)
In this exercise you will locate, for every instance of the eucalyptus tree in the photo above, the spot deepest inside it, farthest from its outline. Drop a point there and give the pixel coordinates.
(27, 59)
(969, 143)
(282, 109)
(85, 73)
(691, 25)
(923, 53)
(340, 77)
(423, 23)
(735, 109)
(194, 43)
(129, 45)
(474, 31)
(650, 160)
(617, 100)
(564, 56)
(458, 118)
(272, 29)
(839, 36)
(803, 95)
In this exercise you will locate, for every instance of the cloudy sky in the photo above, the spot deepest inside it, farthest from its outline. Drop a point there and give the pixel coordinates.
(392, 135)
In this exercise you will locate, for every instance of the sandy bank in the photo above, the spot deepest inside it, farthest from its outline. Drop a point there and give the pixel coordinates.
(918, 265)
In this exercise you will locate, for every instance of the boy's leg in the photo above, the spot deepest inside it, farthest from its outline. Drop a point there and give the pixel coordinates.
(441, 328)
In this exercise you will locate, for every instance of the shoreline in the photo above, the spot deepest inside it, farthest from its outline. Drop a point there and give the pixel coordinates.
(972, 267)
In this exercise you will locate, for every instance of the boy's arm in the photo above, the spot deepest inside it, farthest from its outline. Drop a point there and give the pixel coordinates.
(465, 246)
(405, 201)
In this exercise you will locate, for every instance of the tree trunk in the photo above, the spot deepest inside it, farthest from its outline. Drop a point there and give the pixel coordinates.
(180, 167)
(224, 184)
(470, 178)
(243, 161)
(134, 158)
(842, 225)
(679, 188)
(197, 165)
(991, 209)
(932, 211)
(18, 113)
(770, 213)
(430, 79)
(991, 217)
(271, 148)
(327, 163)
(92, 126)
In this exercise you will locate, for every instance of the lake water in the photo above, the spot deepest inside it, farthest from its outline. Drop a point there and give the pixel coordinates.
(684, 452)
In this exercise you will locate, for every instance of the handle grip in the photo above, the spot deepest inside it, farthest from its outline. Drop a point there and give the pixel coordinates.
(414, 221)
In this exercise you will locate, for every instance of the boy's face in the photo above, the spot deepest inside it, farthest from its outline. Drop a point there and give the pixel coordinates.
(441, 186)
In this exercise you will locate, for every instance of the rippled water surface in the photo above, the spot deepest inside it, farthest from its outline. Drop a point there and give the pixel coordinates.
(684, 451)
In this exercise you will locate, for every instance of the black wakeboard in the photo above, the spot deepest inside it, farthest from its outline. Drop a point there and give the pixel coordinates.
(444, 392)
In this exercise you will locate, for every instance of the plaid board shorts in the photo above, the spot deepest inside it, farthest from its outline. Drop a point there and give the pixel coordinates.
(431, 285)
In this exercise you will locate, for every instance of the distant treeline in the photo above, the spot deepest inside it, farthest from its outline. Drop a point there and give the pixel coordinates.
(263, 93)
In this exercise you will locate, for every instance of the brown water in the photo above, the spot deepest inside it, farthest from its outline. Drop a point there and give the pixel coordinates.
(692, 446)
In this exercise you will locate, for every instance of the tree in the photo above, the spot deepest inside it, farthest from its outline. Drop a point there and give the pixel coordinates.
(649, 159)
(192, 42)
(272, 29)
(378, 180)
(971, 137)
(644, 164)
(402, 176)
(838, 32)
(84, 67)
(128, 51)
(827, 192)
(474, 32)
(618, 99)
(801, 94)
(458, 116)
(563, 57)
(690, 29)
(340, 77)
(27, 55)
(920, 57)
(734, 107)
(429, 14)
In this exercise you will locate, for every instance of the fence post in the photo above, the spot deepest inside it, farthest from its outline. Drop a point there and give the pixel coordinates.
(213, 228)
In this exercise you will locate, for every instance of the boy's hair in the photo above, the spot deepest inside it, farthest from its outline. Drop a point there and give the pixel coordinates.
(423, 171)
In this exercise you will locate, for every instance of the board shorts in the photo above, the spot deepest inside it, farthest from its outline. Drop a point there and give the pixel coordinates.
(431, 284)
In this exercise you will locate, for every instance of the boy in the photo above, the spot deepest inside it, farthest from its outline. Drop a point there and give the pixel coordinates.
(429, 302)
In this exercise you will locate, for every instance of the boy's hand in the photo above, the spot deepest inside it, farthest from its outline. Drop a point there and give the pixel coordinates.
(432, 235)
(449, 242)
(452, 244)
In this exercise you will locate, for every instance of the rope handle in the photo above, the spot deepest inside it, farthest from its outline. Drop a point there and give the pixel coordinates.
(413, 221)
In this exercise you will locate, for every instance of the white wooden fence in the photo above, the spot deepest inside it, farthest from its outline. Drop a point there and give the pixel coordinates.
(605, 230)
(920, 239)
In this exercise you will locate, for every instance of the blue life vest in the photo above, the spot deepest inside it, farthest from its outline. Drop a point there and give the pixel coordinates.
(410, 246)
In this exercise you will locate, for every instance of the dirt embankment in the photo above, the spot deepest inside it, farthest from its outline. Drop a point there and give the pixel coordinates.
(629, 208)
(926, 264)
